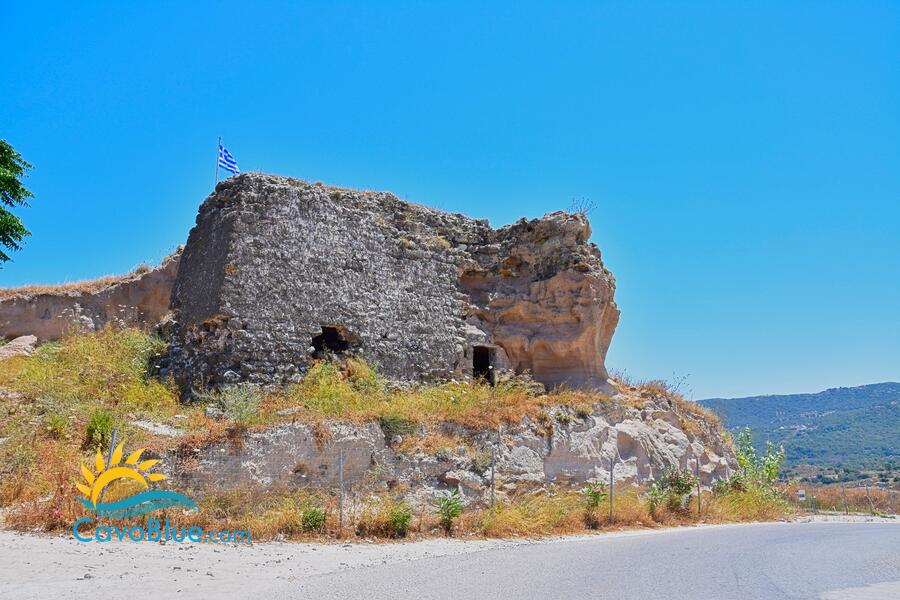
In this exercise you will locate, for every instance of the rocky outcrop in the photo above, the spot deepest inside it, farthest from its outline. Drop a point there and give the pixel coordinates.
(278, 272)
(545, 299)
(642, 443)
(21, 346)
(140, 299)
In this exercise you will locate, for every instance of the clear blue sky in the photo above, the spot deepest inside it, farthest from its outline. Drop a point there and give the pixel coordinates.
(744, 157)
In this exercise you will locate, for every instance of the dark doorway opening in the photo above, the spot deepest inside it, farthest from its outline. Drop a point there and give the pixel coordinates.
(481, 363)
(331, 340)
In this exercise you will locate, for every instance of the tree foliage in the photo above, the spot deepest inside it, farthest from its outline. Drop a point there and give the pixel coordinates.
(760, 469)
(838, 434)
(12, 194)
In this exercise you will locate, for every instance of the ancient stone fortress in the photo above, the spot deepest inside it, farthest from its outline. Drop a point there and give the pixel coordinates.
(278, 272)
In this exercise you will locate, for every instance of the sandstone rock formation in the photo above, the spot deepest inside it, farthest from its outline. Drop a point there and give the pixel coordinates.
(278, 271)
(140, 299)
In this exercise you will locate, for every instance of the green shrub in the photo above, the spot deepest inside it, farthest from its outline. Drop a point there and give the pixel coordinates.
(240, 403)
(756, 474)
(595, 493)
(482, 460)
(313, 519)
(399, 516)
(761, 470)
(99, 429)
(672, 488)
(443, 454)
(56, 425)
(449, 509)
(363, 377)
(751, 493)
(584, 411)
(394, 425)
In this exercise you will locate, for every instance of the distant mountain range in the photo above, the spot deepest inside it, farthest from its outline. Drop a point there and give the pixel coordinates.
(839, 434)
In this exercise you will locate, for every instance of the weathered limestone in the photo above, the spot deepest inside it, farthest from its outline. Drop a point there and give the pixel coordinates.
(21, 346)
(139, 300)
(278, 271)
(644, 443)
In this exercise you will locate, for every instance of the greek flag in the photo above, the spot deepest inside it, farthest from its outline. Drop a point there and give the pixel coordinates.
(226, 160)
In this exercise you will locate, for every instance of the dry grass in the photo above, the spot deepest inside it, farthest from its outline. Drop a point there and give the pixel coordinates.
(279, 514)
(384, 517)
(529, 516)
(352, 391)
(744, 506)
(49, 397)
(837, 498)
(105, 368)
(431, 443)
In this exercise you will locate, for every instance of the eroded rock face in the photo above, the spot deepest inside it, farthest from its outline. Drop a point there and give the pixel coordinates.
(642, 444)
(546, 300)
(278, 271)
(50, 312)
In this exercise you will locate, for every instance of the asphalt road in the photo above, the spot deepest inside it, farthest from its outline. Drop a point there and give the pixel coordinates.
(834, 561)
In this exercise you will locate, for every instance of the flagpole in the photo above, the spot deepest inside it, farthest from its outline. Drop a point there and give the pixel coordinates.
(218, 145)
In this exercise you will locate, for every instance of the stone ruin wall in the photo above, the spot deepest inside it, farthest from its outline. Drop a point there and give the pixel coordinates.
(273, 260)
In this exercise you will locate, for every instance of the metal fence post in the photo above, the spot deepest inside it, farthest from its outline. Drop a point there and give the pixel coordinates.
(341, 493)
(493, 467)
(869, 498)
(844, 494)
(612, 467)
(112, 446)
(698, 488)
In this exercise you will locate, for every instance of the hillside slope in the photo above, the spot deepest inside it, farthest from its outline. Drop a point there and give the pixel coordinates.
(841, 433)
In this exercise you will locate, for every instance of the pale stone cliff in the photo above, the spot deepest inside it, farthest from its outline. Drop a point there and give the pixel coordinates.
(139, 299)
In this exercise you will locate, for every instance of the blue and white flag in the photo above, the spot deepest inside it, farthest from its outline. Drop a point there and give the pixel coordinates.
(226, 160)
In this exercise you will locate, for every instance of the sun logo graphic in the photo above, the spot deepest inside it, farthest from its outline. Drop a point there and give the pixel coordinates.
(130, 479)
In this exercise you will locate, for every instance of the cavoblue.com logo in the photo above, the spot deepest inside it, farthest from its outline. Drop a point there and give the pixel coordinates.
(133, 469)
(143, 501)
(155, 531)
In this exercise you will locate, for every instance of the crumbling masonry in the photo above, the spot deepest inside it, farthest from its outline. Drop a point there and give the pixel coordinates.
(278, 272)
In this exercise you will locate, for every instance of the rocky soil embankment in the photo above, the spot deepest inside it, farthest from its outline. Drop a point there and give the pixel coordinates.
(643, 439)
